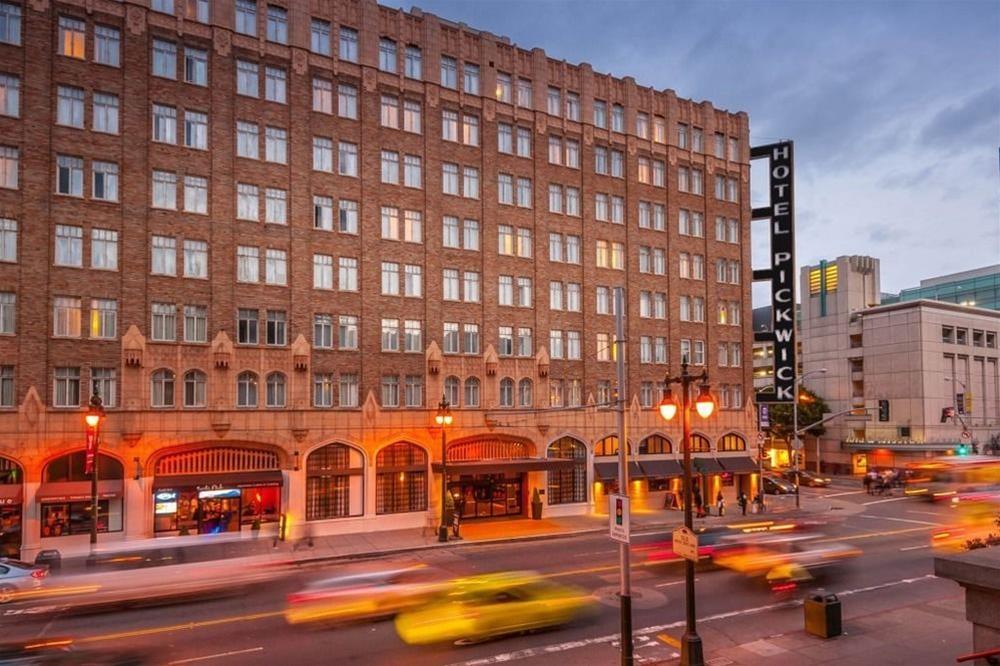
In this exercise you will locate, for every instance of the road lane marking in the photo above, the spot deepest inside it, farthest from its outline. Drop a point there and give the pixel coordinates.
(544, 650)
(883, 501)
(903, 550)
(869, 535)
(669, 640)
(902, 520)
(231, 653)
(936, 514)
(674, 582)
(850, 492)
(151, 631)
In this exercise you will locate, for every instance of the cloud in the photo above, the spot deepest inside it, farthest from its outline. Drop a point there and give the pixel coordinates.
(974, 120)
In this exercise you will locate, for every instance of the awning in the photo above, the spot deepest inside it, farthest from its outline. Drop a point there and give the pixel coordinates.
(75, 491)
(514, 466)
(11, 493)
(271, 477)
(706, 466)
(608, 471)
(739, 464)
(660, 468)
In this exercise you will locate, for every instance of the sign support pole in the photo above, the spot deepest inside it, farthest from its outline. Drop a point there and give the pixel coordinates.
(625, 594)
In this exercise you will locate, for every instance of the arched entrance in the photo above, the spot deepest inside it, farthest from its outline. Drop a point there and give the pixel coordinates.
(214, 489)
(568, 485)
(65, 495)
(11, 499)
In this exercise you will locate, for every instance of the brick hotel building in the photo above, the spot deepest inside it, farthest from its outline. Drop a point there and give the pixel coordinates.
(272, 235)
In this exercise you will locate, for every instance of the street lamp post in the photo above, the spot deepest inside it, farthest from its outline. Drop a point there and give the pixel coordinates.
(796, 444)
(443, 418)
(93, 418)
(692, 653)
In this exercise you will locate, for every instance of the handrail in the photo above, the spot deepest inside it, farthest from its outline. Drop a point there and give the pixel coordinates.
(989, 655)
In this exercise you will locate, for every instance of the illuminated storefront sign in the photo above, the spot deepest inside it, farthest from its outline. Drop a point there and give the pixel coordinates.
(781, 273)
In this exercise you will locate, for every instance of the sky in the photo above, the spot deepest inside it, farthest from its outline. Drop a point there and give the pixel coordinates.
(894, 106)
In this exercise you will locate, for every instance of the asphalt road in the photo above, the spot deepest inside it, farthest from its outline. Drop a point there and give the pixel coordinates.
(894, 570)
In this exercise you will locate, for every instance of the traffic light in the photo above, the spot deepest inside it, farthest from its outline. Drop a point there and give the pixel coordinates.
(883, 410)
(962, 450)
(967, 402)
(619, 511)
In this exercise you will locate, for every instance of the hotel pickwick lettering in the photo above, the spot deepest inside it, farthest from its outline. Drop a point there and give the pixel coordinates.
(781, 273)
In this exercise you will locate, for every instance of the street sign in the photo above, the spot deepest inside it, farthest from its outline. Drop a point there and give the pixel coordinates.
(685, 543)
(764, 416)
(761, 438)
(797, 444)
(966, 436)
(618, 513)
(91, 451)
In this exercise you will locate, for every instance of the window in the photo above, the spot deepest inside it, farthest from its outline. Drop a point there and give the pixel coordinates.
(449, 125)
(246, 326)
(247, 264)
(412, 336)
(600, 113)
(524, 93)
(617, 118)
(347, 332)
(347, 101)
(348, 44)
(322, 154)
(348, 216)
(247, 202)
(164, 123)
(105, 181)
(196, 130)
(348, 274)
(470, 130)
(450, 284)
(470, 182)
(322, 271)
(66, 387)
(505, 189)
(276, 145)
(449, 178)
(348, 156)
(449, 72)
(162, 393)
(554, 101)
(164, 322)
(390, 391)
(348, 390)
(505, 344)
(103, 249)
(659, 129)
(732, 190)
(390, 167)
(601, 160)
(196, 10)
(524, 342)
(194, 388)
(7, 312)
(196, 66)
(617, 164)
(10, 23)
(505, 138)
(246, 389)
(102, 383)
(642, 125)
(66, 317)
(195, 259)
(323, 389)
(276, 332)
(275, 84)
(387, 55)
(412, 173)
(164, 59)
(413, 63)
(246, 17)
(9, 158)
(506, 392)
(322, 91)
(70, 106)
(470, 78)
(247, 78)
(504, 91)
(247, 139)
(69, 245)
(277, 24)
(105, 118)
(524, 192)
(470, 234)
(573, 106)
(72, 36)
(195, 323)
(319, 41)
(523, 142)
(195, 194)
(276, 267)
(390, 278)
(389, 111)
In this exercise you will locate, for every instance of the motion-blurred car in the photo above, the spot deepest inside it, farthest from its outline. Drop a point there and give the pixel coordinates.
(18, 578)
(481, 608)
(977, 522)
(774, 485)
(708, 539)
(808, 479)
(62, 652)
(783, 560)
(364, 593)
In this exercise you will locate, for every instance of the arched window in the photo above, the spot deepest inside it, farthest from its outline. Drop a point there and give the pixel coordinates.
(732, 442)
(654, 444)
(506, 392)
(334, 482)
(194, 388)
(246, 389)
(568, 484)
(275, 390)
(524, 396)
(607, 446)
(401, 479)
(700, 444)
(163, 388)
(62, 514)
(472, 392)
(451, 390)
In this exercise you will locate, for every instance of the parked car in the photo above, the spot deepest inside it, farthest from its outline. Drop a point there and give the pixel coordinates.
(806, 478)
(481, 608)
(18, 578)
(775, 485)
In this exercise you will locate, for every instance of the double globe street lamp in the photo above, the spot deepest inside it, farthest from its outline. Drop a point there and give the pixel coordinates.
(691, 648)
(93, 418)
(443, 418)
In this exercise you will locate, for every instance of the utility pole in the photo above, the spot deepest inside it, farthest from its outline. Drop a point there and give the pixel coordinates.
(625, 593)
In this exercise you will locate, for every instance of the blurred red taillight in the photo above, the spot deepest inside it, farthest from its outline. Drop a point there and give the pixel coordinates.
(784, 587)
(39, 573)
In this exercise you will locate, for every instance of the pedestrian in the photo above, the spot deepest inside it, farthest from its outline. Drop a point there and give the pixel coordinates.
(720, 503)
(699, 510)
(741, 500)
(868, 484)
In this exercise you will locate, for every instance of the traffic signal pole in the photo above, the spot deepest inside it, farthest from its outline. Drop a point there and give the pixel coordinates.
(624, 556)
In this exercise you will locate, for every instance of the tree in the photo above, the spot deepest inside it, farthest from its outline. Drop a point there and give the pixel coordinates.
(811, 410)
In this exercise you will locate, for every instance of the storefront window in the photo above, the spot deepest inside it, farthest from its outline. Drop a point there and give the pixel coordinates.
(568, 485)
(608, 446)
(401, 480)
(70, 467)
(654, 444)
(732, 443)
(66, 518)
(261, 503)
(334, 483)
(700, 444)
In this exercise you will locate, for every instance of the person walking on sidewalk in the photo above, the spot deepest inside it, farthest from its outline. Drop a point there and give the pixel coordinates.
(720, 503)
(699, 507)
(741, 500)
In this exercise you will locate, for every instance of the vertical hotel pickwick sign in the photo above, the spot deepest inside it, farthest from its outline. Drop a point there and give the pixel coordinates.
(781, 274)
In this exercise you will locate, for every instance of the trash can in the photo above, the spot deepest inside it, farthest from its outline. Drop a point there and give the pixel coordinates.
(823, 614)
(49, 558)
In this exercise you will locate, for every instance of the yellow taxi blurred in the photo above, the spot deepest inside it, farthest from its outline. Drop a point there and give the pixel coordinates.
(480, 608)
(976, 520)
(784, 561)
(363, 592)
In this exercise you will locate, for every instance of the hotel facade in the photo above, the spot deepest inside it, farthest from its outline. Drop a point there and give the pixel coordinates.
(271, 236)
